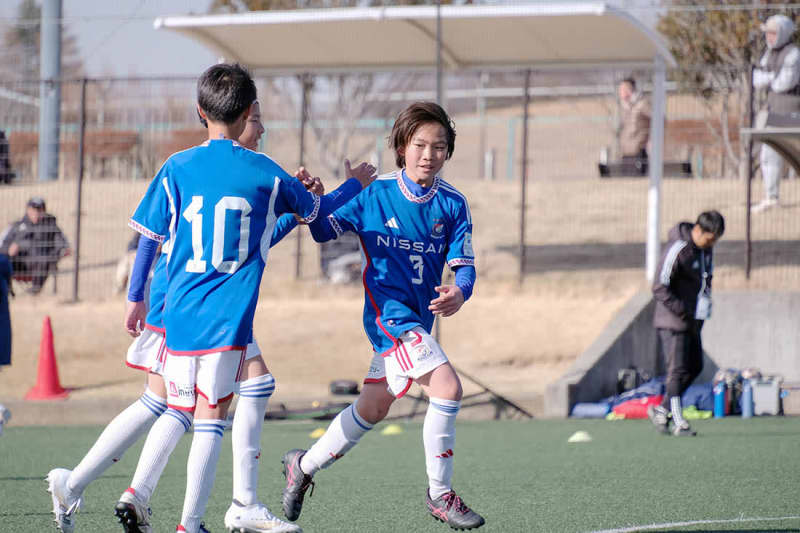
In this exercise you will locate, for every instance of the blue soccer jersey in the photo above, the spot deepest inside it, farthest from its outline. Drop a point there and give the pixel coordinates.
(218, 204)
(406, 240)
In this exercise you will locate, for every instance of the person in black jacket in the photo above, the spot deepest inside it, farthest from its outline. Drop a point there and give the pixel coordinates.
(682, 293)
(34, 244)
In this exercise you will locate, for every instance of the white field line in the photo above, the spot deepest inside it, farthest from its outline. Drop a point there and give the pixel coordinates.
(669, 525)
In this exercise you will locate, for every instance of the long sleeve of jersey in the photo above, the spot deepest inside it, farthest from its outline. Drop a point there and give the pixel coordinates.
(145, 253)
(465, 279)
(332, 201)
(668, 267)
(322, 229)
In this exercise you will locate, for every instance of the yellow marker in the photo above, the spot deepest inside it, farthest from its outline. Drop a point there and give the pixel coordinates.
(392, 429)
(317, 433)
(315, 404)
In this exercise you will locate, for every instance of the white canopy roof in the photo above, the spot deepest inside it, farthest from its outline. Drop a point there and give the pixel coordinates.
(386, 38)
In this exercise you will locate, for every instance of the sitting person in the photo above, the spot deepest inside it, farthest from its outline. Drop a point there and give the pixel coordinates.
(34, 244)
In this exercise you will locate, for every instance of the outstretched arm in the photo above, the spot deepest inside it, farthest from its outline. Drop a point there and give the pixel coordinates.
(322, 229)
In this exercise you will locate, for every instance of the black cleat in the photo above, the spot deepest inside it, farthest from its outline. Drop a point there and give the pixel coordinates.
(451, 509)
(297, 483)
(133, 514)
(659, 417)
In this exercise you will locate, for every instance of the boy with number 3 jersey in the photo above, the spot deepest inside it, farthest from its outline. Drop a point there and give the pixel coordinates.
(410, 223)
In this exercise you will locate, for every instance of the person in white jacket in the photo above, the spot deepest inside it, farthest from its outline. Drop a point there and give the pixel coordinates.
(779, 73)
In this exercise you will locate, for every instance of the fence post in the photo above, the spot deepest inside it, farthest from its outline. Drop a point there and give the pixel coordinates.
(306, 87)
(79, 198)
(748, 237)
(524, 179)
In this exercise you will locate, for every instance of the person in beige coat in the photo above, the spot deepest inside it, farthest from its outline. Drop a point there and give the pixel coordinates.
(635, 125)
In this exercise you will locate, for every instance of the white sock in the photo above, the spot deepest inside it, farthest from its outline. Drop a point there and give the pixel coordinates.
(439, 438)
(161, 441)
(343, 433)
(677, 410)
(246, 436)
(201, 468)
(119, 435)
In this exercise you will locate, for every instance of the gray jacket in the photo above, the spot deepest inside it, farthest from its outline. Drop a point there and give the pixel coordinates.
(679, 280)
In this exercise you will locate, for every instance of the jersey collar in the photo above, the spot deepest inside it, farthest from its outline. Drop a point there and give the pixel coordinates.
(411, 197)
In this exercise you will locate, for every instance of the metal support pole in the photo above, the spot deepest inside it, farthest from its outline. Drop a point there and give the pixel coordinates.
(79, 187)
(656, 165)
(439, 52)
(748, 237)
(50, 90)
(524, 178)
(306, 86)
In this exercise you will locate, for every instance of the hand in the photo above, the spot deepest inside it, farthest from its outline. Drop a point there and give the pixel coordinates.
(13, 249)
(134, 318)
(312, 184)
(364, 173)
(449, 301)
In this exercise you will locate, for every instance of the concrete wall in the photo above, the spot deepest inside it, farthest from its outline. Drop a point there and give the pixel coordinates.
(747, 329)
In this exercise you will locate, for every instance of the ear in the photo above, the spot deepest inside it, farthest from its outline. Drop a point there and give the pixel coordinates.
(401, 150)
(201, 112)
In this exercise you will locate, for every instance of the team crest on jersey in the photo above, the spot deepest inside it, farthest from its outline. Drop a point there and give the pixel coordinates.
(438, 229)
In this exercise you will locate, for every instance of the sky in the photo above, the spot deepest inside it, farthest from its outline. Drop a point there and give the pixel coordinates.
(117, 38)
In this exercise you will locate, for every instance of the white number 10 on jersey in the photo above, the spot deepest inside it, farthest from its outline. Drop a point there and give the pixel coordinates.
(194, 215)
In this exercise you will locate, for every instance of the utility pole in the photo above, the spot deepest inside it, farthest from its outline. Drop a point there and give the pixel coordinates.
(50, 90)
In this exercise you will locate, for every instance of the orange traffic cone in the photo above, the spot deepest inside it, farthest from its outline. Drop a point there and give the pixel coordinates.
(48, 386)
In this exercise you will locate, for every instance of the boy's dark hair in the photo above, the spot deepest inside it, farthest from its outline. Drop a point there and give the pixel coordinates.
(225, 91)
(630, 81)
(412, 118)
(711, 222)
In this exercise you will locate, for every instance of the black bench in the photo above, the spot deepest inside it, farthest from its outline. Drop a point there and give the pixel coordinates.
(625, 169)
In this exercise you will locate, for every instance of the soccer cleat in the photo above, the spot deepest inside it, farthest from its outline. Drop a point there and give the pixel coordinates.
(659, 417)
(63, 507)
(683, 430)
(451, 509)
(133, 514)
(297, 483)
(256, 518)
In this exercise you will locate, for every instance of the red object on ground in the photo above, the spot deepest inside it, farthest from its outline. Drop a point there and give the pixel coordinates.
(48, 386)
(636, 408)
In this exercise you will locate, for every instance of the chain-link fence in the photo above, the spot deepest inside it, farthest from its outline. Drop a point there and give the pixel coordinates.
(576, 220)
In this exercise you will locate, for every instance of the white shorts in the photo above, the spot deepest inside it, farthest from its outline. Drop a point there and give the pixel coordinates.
(213, 376)
(417, 354)
(147, 352)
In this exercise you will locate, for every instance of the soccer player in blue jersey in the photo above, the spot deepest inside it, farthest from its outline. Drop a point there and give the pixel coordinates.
(410, 222)
(147, 353)
(218, 204)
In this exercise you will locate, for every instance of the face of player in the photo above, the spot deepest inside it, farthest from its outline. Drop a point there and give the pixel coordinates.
(425, 153)
(253, 129)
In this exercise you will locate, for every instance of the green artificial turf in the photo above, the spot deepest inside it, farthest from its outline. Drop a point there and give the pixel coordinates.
(522, 476)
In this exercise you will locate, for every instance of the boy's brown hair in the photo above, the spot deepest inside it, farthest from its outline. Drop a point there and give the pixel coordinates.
(413, 117)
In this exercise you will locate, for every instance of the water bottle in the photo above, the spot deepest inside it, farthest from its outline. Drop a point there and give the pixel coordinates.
(747, 399)
(719, 400)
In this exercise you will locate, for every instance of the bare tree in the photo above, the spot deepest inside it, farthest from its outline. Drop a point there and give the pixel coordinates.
(715, 47)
